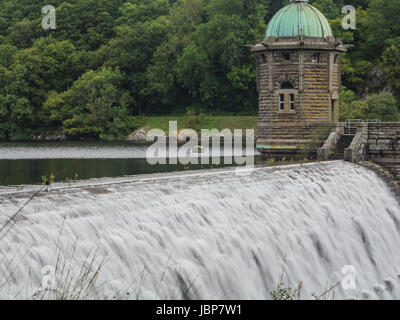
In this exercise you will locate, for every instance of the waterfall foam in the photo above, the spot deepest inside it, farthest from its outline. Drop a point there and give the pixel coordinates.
(214, 234)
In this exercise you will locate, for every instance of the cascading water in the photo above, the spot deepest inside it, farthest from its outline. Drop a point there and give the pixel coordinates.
(214, 234)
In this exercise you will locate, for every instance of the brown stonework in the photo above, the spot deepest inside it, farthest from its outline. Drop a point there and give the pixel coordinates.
(306, 70)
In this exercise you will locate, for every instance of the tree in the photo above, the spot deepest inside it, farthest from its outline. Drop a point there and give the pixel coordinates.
(131, 52)
(377, 107)
(391, 60)
(94, 107)
(205, 63)
(382, 107)
(167, 57)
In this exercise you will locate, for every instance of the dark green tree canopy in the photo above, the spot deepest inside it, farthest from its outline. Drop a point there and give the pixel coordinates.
(111, 60)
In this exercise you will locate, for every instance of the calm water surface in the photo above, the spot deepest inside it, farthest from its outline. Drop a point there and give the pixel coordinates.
(27, 162)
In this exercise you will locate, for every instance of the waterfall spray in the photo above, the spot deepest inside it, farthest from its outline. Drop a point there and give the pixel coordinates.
(214, 234)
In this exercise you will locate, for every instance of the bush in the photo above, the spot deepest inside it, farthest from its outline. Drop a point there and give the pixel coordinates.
(282, 293)
(378, 106)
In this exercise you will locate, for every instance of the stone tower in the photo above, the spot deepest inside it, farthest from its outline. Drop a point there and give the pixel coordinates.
(298, 79)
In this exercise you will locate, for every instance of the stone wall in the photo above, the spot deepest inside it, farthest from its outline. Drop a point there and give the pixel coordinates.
(316, 88)
(329, 146)
(358, 149)
(294, 131)
(308, 70)
(384, 140)
(294, 139)
(313, 85)
(378, 141)
(384, 148)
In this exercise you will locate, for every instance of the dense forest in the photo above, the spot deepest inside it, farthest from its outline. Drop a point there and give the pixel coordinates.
(110, 61)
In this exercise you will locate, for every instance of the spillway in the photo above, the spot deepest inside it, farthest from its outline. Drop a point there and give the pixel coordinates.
(214, 234)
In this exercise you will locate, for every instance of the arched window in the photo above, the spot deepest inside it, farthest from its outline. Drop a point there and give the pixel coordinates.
(263, 58)
(287, 85)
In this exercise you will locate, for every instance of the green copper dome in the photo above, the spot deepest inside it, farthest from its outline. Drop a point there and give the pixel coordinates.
(298, 19)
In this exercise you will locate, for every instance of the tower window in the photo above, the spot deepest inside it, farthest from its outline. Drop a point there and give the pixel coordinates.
(263, 58)
(292, 102)
(316, 57)
(281, 102)
(287, 85)
(336, 59)
(286, 56)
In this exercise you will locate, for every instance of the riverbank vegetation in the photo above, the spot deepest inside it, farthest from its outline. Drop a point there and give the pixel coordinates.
(111, 61)
(201, 121)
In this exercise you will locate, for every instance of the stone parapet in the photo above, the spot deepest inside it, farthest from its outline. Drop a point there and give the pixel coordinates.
(329, 146)
(293, 138)
(377, 141)
(357, 151)
(384, 139)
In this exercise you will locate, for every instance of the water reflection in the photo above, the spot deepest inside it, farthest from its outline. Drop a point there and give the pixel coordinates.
(26, 163)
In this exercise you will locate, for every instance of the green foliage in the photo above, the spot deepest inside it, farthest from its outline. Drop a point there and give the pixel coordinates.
(205, 68)
(270, 161)
(391, 60)
(48, 180)
(93, 107)
(70, 180)
(197, 122)
(378, 106)
(330, 9)
(282, 293)
(112, 60)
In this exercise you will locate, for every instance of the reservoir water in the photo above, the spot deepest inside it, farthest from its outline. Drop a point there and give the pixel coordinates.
(27, 162)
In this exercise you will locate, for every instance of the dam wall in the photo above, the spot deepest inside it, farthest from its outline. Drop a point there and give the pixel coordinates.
(378, 142)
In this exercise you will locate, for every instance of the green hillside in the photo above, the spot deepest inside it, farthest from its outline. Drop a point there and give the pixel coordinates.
(110, 61)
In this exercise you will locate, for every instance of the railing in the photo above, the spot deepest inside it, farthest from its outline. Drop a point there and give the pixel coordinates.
(351, 125)
(357, 151)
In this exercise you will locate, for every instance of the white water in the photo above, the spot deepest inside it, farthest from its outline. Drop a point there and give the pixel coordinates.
(226, 236)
